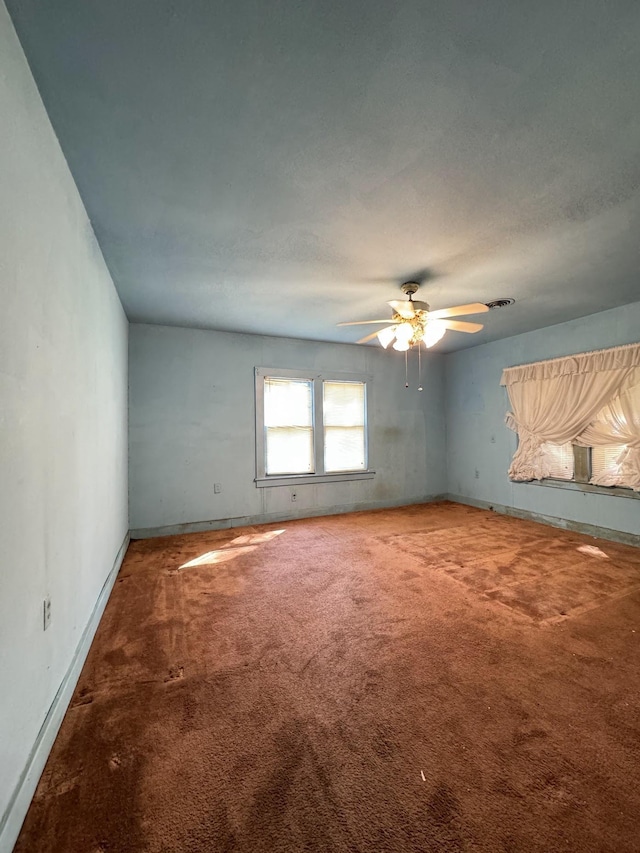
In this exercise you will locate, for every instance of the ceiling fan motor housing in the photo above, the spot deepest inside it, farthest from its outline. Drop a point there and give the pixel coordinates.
(409, 288)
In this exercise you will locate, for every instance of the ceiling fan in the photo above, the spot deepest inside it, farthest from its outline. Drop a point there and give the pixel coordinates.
(412, 321)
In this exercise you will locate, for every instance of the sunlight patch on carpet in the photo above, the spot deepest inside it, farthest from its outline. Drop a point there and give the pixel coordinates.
(238, 546)
(592, 551)
(212, 558)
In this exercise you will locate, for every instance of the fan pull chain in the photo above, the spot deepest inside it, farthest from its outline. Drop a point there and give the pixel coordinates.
(419, 368)
(406, 370)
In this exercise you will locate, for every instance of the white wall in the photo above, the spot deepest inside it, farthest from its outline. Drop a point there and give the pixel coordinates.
(479, 445)
(63, 421)
(192, 423)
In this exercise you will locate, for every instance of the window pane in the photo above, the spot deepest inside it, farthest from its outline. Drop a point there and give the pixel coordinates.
(344, 449)
(288, 402)
(344, 426)
(603, 459)
(559, 458)
(343, 403)
(288, 420)
(289, 450)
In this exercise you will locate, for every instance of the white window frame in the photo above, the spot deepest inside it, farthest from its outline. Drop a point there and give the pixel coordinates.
(262, 479)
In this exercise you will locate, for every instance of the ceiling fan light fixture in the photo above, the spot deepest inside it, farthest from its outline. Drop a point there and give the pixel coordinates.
(385, 336)
(433, 333)
(404, 332)
(401, 345)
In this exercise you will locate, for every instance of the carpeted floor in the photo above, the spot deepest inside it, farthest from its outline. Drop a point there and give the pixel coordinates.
(431, 678)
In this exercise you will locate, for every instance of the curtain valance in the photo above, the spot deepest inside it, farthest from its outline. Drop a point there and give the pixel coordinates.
(616, 358)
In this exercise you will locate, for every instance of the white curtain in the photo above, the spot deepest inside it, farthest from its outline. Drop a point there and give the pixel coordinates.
(618, 423)
(555, 401)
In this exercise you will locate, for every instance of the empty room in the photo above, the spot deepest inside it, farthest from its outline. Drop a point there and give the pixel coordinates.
(319, 426)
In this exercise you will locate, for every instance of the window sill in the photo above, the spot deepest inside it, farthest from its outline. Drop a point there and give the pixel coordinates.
(304, 479)
(571, 486)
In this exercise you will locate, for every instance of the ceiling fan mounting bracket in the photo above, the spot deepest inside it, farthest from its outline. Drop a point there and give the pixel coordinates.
(409, 288)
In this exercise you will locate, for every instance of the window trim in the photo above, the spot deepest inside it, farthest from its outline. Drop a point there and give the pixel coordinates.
(573, 486)
(262, 479)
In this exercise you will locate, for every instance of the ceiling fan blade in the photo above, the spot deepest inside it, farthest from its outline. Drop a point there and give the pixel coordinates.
(407, 309)
(458, 311)
(363, 322)
(403, 307)
(461, 326)
(370, 337)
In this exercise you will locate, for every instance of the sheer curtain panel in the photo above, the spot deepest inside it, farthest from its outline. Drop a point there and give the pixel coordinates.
(618, 423)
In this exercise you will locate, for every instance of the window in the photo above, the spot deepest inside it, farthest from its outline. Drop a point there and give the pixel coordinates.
(310, 427)
(343, 407)
(580, 464)
(590, 398)
(605, 458)
(288, 426)
(560, 460)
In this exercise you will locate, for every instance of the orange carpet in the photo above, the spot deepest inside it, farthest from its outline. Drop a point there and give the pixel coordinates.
(431, 678)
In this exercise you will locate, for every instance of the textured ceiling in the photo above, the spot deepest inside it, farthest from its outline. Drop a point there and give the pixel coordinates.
(277, 167)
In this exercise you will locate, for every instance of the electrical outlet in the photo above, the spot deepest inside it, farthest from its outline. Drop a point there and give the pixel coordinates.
(477, 474)
(46, 613)
(294, 496)
(217, 488)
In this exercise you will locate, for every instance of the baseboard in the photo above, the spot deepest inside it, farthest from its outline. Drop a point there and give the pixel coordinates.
(16, 810)
(266, 518)
(552, 520)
